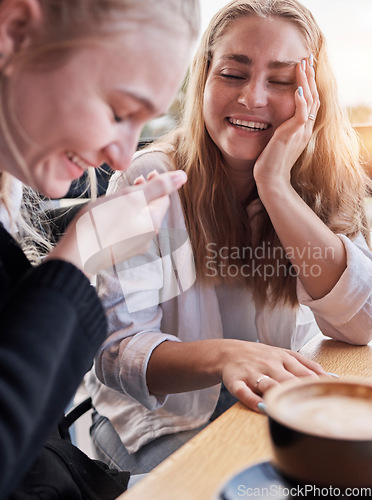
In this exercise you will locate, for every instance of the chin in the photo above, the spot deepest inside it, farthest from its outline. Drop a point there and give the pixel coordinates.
(50, 179)
(237, 156)
(54, 190)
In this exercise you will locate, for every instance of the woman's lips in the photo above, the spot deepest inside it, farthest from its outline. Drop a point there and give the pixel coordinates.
(76, 166)
(249, 125)
(78, 161)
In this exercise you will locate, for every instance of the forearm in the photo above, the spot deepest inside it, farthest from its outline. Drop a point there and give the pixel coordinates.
(180, 367)
(347, 320)
(317, 254)
(186, 366)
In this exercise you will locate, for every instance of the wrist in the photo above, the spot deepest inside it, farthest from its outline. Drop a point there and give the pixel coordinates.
(276, 189)
(67, 248)
(225, 353)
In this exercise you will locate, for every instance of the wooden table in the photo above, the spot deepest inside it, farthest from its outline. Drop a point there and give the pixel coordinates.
(238, 438)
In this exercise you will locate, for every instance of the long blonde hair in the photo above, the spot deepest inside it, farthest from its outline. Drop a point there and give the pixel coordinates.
(68, 25)
(328, 175)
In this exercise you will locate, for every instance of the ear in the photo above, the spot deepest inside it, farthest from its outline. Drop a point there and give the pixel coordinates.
(19, 22)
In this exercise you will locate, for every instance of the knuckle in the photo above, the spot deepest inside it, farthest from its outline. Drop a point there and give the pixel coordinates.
(157, 183)
(241, 392)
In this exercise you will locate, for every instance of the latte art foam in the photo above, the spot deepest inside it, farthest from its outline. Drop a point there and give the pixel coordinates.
(334, 416)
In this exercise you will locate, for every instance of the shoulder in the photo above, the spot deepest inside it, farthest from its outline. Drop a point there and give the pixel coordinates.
(143, 163)
(9, 213)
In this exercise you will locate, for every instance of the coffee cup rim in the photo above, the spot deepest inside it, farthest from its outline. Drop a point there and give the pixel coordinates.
(288, 387)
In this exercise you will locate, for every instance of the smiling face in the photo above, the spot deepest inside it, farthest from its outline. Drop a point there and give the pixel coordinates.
(250, 86)
(91, 110)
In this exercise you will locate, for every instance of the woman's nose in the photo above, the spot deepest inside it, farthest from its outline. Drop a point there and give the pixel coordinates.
(119, 153)
(253, 95)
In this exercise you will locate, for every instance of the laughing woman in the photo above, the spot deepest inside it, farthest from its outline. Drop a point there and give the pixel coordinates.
(273, 213)
(78, 80)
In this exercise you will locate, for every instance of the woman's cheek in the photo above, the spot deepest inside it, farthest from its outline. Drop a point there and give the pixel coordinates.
(285, 108)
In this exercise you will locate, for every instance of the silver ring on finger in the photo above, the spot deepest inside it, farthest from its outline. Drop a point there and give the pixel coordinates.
(260, 380)
(311, 117)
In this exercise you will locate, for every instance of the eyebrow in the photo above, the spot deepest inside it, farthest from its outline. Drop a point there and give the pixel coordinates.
(282, 64)
(146, 102)
(143, 100)
(242, 58)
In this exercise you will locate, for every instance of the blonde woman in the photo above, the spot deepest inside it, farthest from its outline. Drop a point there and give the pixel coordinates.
(78, 80)
(273, 209)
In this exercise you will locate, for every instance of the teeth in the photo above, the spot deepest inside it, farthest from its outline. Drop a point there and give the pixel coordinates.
(243, 123)
(78, 161)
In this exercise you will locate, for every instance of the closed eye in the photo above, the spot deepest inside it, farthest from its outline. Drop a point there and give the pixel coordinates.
(228, 76)
(117, 118)
(281, 83)
(120, 118)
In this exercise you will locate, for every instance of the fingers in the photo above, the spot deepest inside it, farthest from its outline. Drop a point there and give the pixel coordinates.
(301, 113)
(139, 180)
(157, 189)
(298, 369)
(152, 174)
(312, 366)
(264, 383)
(262, 368)
(158, 185)
(142, 180)
(310, 72)
(248, 397)
(307, 98)
(240, 390)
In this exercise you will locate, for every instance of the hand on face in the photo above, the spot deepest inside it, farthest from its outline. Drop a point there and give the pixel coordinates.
(291, 138)
(252, 368)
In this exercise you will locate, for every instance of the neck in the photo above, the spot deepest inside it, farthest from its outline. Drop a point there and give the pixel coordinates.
(241, 177)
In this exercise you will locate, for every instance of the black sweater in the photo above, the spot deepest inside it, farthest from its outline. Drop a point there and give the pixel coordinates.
(51, 324)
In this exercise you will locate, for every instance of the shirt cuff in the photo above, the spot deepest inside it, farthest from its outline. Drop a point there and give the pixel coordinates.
(349, 294)
(134, 367)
